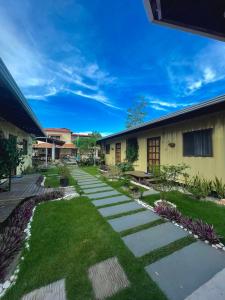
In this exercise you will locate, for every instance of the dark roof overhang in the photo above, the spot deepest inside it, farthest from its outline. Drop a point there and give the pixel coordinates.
(205, 17)
(14, 106)
(50, 140)
(204, 108)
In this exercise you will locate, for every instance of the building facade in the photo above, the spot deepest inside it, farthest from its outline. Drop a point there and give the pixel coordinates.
(195, 137)
(60, 134)
(17, 120)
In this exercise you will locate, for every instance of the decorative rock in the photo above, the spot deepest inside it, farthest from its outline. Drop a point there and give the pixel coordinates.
(219, 246)
(181, 226)
(190, 232)
(6, 284)
(185, 229)
(223, 248)
(195, 236)
(22, 258)
(207, 242)
(1, 288)
(12, 278)
(214, 246)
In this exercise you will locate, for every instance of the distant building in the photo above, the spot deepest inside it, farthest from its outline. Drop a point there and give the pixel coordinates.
(60, 134)
(17, 120)
(204, 17)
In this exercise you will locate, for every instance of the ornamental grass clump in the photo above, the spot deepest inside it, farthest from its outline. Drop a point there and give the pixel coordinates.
(203, 230)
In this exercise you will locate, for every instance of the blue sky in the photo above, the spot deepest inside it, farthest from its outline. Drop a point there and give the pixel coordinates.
(81, 64)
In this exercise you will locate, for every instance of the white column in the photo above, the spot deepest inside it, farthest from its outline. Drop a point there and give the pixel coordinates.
(46, 155)
(53, 151)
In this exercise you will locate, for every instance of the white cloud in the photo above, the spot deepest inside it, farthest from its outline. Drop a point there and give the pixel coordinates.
(38, 76)
(165, 105)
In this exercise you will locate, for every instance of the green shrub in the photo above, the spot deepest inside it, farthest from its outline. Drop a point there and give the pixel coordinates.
(132, 150)
(64, 172)
(199, 187)
(219, 188)
(125, 166)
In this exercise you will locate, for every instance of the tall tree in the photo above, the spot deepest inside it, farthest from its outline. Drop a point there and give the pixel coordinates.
(136, 114)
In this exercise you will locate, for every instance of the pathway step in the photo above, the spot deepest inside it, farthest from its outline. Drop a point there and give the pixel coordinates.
(212, 289)
(184, 271)
(113, 200)
(95, 185)
(88, 181)
(145, 241)
(131, 221)
(98, 189)
(117, 209)
(88, 184)
(107, 278)
(104, 194)
(53, 291)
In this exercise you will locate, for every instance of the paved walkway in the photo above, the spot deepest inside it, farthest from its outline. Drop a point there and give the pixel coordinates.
(185, 274)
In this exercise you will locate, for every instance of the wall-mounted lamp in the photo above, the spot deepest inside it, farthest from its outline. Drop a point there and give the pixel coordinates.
(172, 145)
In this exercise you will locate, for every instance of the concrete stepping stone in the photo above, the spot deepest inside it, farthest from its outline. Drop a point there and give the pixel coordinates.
(131, 221)
(117, 209)
(107, 278)
(98, 189)
(53, 291)
(113, 200)
(104, 194)
(90, 184)
(88, 181)
(181, 273)
(212, 289)
(145, 241)
(150, 192)
(95, 185)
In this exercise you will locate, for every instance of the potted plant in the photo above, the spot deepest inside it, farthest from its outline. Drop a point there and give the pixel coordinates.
(64, 176)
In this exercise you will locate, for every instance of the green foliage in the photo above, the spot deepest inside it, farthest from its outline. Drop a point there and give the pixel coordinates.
(132, 150)
(199, 187)
(219, 187)
(64, 172)
(126, 182)
(114, 172)
(125, 166)
(11, 156)
(168, 177)
(137, 191)
(85, 144)
(136, 114)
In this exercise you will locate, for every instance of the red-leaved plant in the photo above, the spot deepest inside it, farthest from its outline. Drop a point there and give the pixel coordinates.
(197, 227)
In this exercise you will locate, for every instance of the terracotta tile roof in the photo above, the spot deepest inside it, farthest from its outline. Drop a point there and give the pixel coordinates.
(65, 130)
(42, 145)
(68, 146)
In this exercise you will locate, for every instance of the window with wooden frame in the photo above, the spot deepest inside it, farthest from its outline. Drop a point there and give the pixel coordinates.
(107, 148)
(198, 143)
(118, 153)
(25, 147)
(153, 153)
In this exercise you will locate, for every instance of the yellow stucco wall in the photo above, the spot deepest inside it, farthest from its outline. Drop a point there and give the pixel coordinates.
(64, 136)
(209, 167)
(7, 129)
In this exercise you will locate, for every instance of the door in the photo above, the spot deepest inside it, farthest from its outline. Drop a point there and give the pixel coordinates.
(153, 153)
(118, 153)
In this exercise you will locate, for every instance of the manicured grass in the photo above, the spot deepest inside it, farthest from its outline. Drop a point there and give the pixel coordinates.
(67, 238)
(206, 210)
(142, 227)
(93, 170)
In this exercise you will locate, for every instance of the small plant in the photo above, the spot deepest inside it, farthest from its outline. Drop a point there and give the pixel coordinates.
(168, 177)
(114, 172)
(126, 182)
(219, 188)
(137, 192)
(125, 166)
(64, 175)
(199, 187)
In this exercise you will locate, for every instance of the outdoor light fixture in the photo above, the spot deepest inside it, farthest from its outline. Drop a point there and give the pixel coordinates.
(172, 145)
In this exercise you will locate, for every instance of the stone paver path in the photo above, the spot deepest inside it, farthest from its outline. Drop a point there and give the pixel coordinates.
(113, 200)
(147, 240)
(53, 291)
(118, 209)
(184, 271)
(98, 189)
(195, 272)
(131, 221)
(107, 278)
(103, 194)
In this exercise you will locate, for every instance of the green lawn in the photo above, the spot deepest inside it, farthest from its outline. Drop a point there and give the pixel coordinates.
(67, 238)
(206, 210)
